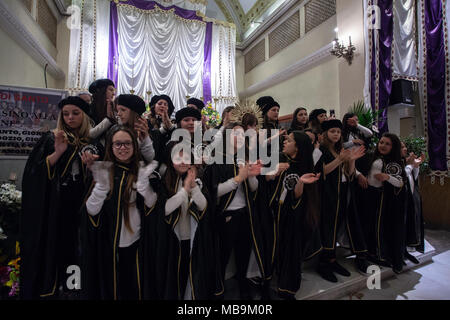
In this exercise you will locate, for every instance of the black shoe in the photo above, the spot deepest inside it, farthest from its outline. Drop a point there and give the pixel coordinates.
(411, 258)
(397, 270)
(326, 272)
(244, 290)
(362, 265)
(336, 267)
(265, 291)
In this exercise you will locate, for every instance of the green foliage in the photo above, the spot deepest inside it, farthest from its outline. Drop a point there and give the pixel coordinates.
(418, 145)
(366, 116)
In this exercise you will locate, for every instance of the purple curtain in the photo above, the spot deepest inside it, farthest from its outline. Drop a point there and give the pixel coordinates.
(113, 59)
(207, 63)
(386, 34)
(113, 56)
(436, 113)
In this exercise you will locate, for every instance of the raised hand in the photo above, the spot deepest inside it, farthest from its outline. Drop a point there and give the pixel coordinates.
(309, 178)
(60, 142)
(166, 120)
(189, 180)
(254, 169)
(243, 173)
(100, 172)
(357, 153)
(141, 127)
(345, 155)
(88, 158)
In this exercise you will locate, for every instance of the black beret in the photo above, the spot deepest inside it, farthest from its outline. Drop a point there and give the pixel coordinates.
(261, 102)
(269, 106)
(333, 123)
(187, 112)
(100, 83)
(132, 102)
(316, 112)
(156, 98)
(76, 101)
(197, 102)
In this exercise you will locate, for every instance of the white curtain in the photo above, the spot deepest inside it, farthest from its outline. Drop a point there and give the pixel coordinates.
(404, 43)
(196, 5)
(367, 100)
(160, 52)
(94, 50)
(223, 67)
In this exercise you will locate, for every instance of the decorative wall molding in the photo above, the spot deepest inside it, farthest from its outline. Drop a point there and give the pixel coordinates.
(293, 70)
(17, 31)
(278, 16)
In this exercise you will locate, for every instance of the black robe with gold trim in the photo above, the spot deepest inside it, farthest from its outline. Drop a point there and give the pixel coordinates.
(339, 201)
(214, 175)
(100, 236)
(387, 220)
(414, 218)
(202, 277)
(298, 239)
(49, 224)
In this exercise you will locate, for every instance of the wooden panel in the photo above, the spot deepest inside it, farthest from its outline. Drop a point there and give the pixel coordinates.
(255, 56)
(436, 202)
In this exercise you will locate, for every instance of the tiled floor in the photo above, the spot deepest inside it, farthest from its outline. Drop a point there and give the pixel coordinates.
(429, 282)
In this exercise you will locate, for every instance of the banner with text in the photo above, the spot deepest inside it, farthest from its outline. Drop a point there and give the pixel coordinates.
(25, 114)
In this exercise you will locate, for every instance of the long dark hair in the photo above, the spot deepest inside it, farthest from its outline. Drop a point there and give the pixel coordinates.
(99, 104)
(133, 168)
(396, 152)
(295, 125)
(305, 164)
(346, 129)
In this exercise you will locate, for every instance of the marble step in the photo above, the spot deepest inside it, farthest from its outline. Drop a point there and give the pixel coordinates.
(313, 287)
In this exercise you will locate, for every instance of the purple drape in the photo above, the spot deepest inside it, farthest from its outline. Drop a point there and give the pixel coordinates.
(113, 59)
(436, 113)
(207, 63)
(113, 56)
(385, 69)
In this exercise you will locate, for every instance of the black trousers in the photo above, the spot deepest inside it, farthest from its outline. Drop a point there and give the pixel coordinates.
(236, 234)
(185, 246)
(129, 272)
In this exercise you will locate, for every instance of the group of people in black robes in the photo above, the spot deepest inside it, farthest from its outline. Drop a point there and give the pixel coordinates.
(121, 200)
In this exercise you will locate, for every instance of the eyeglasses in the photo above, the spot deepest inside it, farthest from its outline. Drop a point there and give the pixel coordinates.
(118, 144)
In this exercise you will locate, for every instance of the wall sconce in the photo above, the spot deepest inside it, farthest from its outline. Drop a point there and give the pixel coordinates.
(254, 23)
(339, 50)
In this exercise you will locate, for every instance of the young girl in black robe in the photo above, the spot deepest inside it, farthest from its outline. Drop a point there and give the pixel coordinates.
(118, 212)
(103, 91)
(129, 111)
(386, 204)
(297, 213)
(53, 189)
(339, 216)
(232, 186)
(414, 217)
(191, 260)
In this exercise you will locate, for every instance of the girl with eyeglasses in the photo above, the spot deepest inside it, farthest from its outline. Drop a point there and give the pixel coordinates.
(120, 224)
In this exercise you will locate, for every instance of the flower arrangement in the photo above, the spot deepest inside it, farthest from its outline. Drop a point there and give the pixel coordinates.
(9, 277)
(212, 117)
(10, 198)
(10, 207)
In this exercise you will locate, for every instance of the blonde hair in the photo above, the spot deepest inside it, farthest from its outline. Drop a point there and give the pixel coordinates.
(83, 131)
